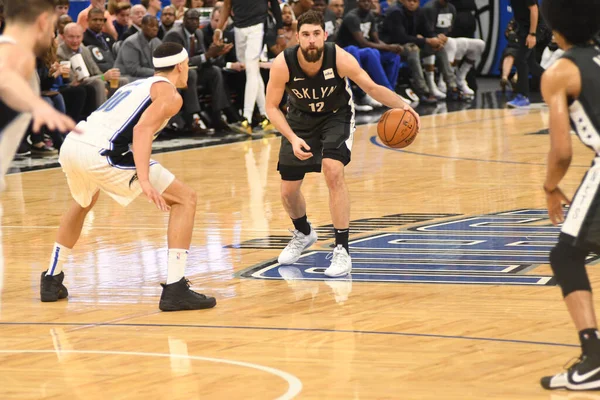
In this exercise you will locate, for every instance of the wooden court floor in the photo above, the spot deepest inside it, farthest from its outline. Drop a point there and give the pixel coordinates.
(301, 338)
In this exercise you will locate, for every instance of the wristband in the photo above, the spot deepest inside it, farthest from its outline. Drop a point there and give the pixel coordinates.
(102, 77)
(532, 34)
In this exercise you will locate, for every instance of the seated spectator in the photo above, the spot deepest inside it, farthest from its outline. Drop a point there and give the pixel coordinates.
(82, 18)
(135, 55)
(462, 52)
(72, 46)
(137, 13)
(194, 4)
(152, 7)
(277, 43)
(404, 25)
(63, 21)
(61, 7)
(337, 7)
(180, 9)
(358, 36)
(330, 18)
(122, 20)
(167, 20)
(98, 42)
(299, 7)
(208, 75)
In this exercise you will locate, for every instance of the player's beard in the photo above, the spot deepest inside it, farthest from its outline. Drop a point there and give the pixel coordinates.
(312, 55)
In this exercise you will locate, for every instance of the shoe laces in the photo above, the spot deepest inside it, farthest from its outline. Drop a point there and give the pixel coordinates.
(296, 242)
(336, 254)
(573, 362)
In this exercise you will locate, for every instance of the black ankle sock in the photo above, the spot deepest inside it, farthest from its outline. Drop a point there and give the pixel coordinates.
(590, 341)
(341, 238)
(302, 225)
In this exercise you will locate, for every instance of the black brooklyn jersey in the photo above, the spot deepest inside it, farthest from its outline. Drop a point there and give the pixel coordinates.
(325, 92)
(585, 110)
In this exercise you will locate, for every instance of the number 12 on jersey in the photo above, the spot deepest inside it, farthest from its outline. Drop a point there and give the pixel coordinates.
(317, 107)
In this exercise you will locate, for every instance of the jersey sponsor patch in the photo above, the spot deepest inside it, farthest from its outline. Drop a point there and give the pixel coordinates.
(444, 20)
(328, 73)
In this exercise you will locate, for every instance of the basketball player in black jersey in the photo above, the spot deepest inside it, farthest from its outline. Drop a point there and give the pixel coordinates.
(571, 88)
(318, 130)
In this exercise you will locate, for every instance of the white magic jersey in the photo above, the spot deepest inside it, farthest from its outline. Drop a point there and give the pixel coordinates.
(110, 127)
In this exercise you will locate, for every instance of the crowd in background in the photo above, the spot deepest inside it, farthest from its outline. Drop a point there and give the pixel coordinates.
(426, 53)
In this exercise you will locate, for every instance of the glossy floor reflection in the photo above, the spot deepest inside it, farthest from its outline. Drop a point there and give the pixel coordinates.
(450, 297)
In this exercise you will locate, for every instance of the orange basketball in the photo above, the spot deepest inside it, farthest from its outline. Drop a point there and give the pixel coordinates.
(397, 128)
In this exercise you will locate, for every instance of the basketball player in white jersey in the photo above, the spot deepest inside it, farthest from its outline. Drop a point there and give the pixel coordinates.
(318, 130)
(112, 155)
(29, 33)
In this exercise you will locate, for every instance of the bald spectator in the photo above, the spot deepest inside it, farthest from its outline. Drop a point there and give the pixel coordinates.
(137, 13)
(72, 46)
(152, 6)
(122, 18)
(61, 7)
(135, 56)
(167, 20)
(82, 18)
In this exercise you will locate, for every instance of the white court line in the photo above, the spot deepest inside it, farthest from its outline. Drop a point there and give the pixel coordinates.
(294, 384)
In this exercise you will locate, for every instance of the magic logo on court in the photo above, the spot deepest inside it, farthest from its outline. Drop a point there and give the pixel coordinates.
(495, 249)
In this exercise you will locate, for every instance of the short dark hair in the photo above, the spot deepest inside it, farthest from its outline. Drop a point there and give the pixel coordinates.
(148, 18)
(95, 10)
(122, 6)
(311, 17)
(27, 11)
(145, 3)
(61, 3)
(166, 49)
(577, 20)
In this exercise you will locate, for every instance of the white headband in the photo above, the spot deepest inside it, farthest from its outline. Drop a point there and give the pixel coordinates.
(170, 61)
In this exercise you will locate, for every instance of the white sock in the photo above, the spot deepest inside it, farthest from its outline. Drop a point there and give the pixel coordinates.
(463, 70)
(59, 256)
(176, 265)
(430, 78)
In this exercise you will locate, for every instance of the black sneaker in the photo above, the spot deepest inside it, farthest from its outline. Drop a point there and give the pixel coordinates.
(178, 296)
(52, 288)
(584, 374)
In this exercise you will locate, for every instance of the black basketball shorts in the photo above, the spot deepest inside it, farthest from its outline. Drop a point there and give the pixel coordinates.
(582, 224)
(329, 135)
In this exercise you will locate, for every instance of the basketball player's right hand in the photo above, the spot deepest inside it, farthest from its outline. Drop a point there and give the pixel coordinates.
(44, 114)
(415, 114)
(299, 146)
(153, 196)
(554, 202)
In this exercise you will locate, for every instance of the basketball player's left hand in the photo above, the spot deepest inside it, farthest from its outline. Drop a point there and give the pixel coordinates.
(554, 201)
(154, 197)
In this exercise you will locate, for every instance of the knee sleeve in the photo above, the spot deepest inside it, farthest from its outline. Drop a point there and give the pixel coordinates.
(568, 265)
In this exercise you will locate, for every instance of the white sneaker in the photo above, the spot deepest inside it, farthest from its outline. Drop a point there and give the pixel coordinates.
(368, 100)
(441, 84)
(341, 263)
(296, 246)
(362, 107)
(438, 93)
(463, 87)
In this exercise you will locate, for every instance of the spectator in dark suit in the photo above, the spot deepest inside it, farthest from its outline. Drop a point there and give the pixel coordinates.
(122, 19)
(137, 13)
(208, 75)
(135, 55)
(167, 20)
(99, 43)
